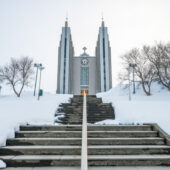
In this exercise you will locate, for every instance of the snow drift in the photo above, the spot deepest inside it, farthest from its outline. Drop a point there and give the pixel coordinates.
(142, 108)
(27, 109)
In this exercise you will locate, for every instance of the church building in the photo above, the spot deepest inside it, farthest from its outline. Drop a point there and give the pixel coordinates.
(84, 73)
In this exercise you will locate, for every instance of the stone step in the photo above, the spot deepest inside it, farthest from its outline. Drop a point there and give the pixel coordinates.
(101, 114)
(126, 141)
(96, 106)
(66, 122)
(110, 134)
(70, 111)
(93, 160)
(41, 160)
(41, 150)
(51, 128)
(128, 149)
(89, 120)
(48, 134)
(44, 141)
(99, 108)
(92, 150)
(129, 160)
(119, 127)
(92, 116)
(91, 141)
(97, 111)
(99, 117)
(90, 128)
(92, 134)
(103, 111)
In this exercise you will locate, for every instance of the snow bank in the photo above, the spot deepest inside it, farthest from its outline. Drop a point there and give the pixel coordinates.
(2, 164)
(27, 110)
(107, 122)
(141, 109)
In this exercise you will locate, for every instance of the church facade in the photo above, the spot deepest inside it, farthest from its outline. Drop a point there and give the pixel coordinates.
(77, 74)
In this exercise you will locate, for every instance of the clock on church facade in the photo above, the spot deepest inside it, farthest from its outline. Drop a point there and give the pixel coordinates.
(84, 61)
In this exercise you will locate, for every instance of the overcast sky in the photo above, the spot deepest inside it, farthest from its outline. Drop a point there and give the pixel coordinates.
(33, 27)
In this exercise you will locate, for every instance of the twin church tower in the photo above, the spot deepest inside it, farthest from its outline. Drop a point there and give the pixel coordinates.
(77, 74)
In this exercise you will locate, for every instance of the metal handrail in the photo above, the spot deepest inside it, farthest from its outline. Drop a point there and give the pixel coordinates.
(84, 160)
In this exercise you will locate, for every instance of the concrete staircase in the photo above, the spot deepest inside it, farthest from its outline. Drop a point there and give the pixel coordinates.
(107, 146)
(96, 110)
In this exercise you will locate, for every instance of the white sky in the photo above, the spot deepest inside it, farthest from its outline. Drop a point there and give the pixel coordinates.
(33, 27)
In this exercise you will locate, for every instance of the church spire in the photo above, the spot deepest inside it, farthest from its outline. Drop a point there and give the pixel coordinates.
(102, 20)
(66, 22)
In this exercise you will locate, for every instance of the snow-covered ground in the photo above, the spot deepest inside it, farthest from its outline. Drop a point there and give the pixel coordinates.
(27, 110)
(2, 164)
(142, 108)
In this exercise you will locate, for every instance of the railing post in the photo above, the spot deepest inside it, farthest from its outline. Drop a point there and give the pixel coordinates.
(84, 160)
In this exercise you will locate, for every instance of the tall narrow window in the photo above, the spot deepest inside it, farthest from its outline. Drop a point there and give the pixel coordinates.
(64, 78)
(104, 65)
(84, 76)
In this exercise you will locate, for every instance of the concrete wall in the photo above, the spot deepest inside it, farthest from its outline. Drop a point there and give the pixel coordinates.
(77, 75)
(98, 71)
(92, 75)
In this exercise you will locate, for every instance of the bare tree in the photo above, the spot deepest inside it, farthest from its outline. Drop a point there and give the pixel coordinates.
(144, 70)
(159, 56)
(17, 74)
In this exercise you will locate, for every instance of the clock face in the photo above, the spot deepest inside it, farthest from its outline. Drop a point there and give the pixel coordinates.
(84, 62)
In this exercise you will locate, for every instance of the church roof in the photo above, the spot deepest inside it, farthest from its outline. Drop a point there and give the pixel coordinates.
(84, 55)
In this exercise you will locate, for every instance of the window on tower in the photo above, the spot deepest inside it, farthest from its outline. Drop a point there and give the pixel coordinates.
(84, 76)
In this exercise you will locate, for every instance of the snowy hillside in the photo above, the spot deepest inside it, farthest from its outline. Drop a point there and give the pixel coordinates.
(142, 108)
(27, 110)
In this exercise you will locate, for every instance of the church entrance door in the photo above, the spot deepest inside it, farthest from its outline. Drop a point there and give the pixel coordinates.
(84, 91)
